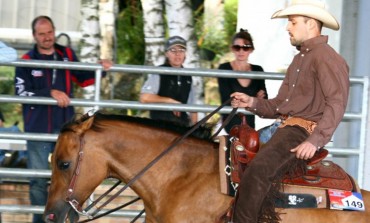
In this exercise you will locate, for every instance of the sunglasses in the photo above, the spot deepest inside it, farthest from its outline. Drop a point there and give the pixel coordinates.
(174, 51)
(244, 47)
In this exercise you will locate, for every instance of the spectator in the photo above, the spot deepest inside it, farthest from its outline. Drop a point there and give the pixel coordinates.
(174, 89)
(11, 158)
(311, 101)
(45, 82)
(7, 54)
(242, 46)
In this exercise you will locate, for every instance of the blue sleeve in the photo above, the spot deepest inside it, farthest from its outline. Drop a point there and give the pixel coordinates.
(7, 54)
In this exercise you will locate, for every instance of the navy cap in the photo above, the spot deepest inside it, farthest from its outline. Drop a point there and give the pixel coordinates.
(175, 41)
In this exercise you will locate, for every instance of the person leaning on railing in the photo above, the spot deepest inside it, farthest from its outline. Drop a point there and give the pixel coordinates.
(175, 89)
(47, 82)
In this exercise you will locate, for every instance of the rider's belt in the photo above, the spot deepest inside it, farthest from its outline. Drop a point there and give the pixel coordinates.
(290, 121)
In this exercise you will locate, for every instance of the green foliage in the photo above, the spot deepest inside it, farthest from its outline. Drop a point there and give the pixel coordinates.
(6, 81)
(216, 37)
(130, 50)
(130, 35)
(11, 111)
(231, 18)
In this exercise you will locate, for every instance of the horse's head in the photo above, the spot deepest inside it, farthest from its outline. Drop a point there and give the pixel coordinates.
(73, 176)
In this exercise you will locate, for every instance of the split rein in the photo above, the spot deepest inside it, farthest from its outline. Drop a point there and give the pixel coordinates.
(93, 216)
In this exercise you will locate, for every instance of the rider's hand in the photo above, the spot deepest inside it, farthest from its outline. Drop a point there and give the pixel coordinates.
(241, 100)
(305, 150)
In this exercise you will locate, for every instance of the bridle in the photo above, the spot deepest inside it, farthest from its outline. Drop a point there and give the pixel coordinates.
(73, 202)
(92, 216)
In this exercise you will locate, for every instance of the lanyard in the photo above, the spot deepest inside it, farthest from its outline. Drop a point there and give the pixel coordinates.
(54, 69)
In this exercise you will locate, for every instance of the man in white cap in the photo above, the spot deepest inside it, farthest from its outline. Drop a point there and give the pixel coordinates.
(311, 101)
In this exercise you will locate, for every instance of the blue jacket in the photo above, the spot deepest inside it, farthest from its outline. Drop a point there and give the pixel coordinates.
(40, 81)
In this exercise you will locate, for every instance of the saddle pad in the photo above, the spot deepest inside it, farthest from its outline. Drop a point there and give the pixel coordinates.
(320, 194)
(294, 200)
(227, 186)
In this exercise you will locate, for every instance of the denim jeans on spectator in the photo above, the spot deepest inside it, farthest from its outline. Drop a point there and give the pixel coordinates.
(38, 154)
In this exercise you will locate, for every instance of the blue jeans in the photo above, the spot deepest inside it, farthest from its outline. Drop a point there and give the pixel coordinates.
(38, 154)
(266, 133)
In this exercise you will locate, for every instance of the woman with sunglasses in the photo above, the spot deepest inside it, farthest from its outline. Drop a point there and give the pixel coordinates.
(242, 46)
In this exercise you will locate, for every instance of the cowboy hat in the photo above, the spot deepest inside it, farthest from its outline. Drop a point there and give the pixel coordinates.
(309, 8)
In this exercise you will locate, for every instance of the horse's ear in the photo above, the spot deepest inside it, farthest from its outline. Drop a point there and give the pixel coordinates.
(85, 125)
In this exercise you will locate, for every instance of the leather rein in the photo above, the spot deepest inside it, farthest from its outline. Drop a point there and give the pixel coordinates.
(92, 216)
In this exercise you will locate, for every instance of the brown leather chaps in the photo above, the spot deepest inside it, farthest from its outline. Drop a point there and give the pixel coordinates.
(260, 173)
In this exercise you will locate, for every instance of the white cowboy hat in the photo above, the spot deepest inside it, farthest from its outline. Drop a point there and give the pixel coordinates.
(309, 8)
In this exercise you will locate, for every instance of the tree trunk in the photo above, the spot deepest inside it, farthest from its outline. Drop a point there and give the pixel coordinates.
(180, 22)
(107, 17)
(108, 11)
(154, 31)
(90, 39)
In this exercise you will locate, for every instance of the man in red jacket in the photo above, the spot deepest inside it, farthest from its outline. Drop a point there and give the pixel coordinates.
(45, 82)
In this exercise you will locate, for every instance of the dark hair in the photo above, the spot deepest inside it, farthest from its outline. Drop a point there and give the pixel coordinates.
(318, 22)
(38, 18)
(245, 35)
(2, 117)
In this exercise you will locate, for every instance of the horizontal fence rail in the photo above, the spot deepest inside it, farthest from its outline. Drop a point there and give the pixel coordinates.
(142, 69)
(138, 69)
(26, 209)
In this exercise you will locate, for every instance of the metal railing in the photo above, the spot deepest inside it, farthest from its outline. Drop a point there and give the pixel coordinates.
(136, 69)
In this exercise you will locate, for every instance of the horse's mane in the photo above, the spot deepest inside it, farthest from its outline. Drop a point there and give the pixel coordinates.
(203, 132)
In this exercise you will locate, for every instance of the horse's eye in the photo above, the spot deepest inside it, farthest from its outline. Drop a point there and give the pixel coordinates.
(63, 165)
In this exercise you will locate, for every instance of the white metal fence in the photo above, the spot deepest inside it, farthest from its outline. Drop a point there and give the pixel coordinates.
(357, 117)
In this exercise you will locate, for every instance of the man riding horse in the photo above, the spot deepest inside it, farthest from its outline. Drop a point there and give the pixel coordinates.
(311, 103)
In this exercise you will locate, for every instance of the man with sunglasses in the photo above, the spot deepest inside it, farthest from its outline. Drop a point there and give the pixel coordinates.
(311, 102)
(242, 46)
(174, 89)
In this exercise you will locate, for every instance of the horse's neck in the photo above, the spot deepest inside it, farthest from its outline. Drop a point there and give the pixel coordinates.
(179, 167)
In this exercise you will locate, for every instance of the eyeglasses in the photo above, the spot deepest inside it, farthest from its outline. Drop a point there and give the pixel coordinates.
(174, 51)
(244, 47)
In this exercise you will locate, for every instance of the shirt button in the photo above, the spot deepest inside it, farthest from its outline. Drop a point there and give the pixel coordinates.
(277, 109)
(302, 55)
(287, 99)
(298, 70)
(293, 85)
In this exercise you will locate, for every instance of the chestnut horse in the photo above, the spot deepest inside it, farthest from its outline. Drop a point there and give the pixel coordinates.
(183, 186)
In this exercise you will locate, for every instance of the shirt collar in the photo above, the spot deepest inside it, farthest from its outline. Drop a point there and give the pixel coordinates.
(309, 44)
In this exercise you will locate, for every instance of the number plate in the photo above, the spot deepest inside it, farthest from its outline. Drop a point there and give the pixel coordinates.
(346, 200)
